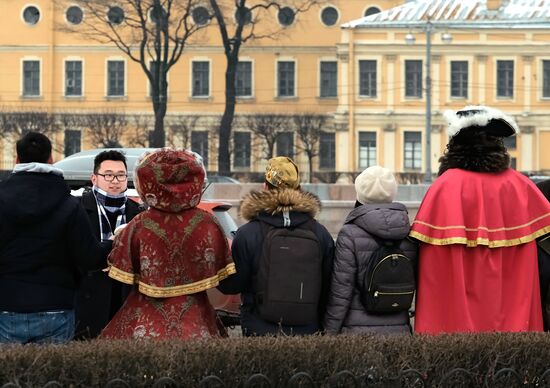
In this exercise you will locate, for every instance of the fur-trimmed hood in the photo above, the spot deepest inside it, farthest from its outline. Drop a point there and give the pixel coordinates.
(271, 204)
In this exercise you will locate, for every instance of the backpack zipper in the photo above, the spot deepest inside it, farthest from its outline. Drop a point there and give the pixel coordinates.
(376, 293)
(395, 255)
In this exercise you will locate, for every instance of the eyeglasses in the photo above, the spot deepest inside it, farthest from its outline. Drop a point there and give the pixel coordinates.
(111, 177)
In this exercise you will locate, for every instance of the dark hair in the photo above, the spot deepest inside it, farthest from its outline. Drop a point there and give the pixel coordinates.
(474, 149)
(108, 155)
(34, 147)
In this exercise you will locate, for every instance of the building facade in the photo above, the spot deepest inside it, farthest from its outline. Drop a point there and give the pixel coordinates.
(494, 53)
(346, 60)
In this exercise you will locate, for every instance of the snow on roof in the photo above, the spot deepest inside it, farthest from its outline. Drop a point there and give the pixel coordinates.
(457, 13)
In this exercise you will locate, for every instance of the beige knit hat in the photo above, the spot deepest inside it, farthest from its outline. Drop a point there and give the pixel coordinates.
(375, 185)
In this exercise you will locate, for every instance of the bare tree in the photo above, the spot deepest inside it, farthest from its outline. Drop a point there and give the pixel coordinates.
(139, 125)
(106, 128)
(308, 129)
(237, 29)
(268, 127)
(180, 130)
(20, 122)
(152, 33)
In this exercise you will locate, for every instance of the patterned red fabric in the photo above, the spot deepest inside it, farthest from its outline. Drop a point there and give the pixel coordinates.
(184, 317)
(173, 251)
(478, 268)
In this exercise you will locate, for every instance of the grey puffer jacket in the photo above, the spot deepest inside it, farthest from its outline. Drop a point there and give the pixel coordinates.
(354, 247)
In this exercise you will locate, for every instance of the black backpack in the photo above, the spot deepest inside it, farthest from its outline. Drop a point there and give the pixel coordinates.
(289, 277)
(387, 284)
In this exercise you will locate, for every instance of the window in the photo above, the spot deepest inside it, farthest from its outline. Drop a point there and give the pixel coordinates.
(200, 15)
(285, 72)
(31, 78)
(72, 141)
(510, 142)
(367, 78)
(115, 78)
(329, 16)
(243, 15)
(372, 11)
(74, 14)
(115, 15)
(459, 79)
(367, 149)
(327, 150)
(286, 16)
(329, 78)
(201, 75)
(546, 79)
(285, 144)
(31, 15)
(413, 151)
(199, 144)
(413, 78)
(505, 79)
(157, 13)
(241, 145)
(73, 78)
(243, 79)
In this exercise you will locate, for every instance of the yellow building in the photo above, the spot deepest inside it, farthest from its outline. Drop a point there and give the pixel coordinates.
(46, 69)
(356, 71)
(494, 53)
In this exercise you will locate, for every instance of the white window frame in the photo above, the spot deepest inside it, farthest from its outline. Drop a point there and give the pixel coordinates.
(286, 59)
(64, 80)
(540, 66)
(378, 60)
(470, 89)
(252, 74)
(110, 59)
(404, 96)
(22, 82)
(200, 59)
(515, 84)
(25, 6)
(319, 88)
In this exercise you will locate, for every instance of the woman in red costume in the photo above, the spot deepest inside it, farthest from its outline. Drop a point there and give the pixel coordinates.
(477, 226)
(173, 252)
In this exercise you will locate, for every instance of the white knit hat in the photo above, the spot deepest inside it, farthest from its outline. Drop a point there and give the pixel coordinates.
(375, 185)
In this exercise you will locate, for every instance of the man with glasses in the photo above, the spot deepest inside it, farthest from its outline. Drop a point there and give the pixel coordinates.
(108, 207)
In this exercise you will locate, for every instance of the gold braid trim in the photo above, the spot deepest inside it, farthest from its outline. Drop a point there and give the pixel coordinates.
(481, 227)
(186, 289)
(480, 241)
(122, 276)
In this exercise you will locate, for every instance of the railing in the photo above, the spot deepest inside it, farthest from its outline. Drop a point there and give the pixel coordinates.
(457, 377)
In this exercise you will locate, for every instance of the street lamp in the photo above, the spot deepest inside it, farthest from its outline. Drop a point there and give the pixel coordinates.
(428, 29)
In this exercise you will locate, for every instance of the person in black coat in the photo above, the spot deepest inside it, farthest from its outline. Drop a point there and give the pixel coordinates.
(45, 241)
(108, 207)
(281, 205)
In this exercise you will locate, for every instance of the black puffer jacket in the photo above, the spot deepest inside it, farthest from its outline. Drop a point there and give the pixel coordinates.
(354, 247)
(45, 241)
(268, 206)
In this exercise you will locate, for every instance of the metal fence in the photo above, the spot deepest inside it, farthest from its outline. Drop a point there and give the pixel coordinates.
(457, 377)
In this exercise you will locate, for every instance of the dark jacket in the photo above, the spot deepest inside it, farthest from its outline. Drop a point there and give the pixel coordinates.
(45, 241)
(268, 206)
(99, 297)
(354, 248)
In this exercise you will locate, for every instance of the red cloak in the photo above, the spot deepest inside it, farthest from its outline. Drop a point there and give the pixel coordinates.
(478, 266)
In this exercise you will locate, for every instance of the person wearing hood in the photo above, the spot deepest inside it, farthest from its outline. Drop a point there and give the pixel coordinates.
(45, 241)
(108, 207)
(282, 204)
(171, 253)
(477, 227)
(375, 218)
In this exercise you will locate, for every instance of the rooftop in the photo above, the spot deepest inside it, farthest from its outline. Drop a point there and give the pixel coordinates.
(461, 13)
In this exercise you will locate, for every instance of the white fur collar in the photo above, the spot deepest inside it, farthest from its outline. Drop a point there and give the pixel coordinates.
(456, 123)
